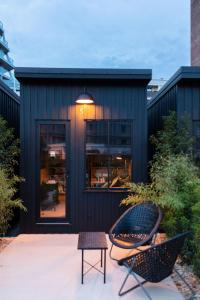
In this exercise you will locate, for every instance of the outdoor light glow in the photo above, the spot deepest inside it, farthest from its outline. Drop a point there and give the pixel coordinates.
(84, 101)
(85, 98)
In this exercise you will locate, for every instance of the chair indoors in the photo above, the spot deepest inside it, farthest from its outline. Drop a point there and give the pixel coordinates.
(136, 227)
(154, 264)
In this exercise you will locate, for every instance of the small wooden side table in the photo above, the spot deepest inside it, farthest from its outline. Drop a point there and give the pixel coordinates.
(93, 241)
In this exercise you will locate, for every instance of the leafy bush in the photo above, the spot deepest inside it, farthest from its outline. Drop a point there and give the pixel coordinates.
(174, 186)
(7, 201)
(9, 151)
(9, 148)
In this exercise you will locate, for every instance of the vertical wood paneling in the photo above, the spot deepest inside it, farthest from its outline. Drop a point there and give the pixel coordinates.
(55, 100)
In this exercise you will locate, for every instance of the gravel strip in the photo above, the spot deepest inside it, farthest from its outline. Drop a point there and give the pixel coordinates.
(4, 242)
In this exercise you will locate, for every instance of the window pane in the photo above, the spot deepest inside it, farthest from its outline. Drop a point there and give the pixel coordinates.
(108, 153)
(121, 170)
(120, 137)
(52, 171)
(97, 171)
(97, 137)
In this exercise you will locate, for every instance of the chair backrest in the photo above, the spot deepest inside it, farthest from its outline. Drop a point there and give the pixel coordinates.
(140, 218)
(157, 262)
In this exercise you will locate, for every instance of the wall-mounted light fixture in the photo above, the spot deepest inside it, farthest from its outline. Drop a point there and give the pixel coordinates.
(118, 157)
(85, 98)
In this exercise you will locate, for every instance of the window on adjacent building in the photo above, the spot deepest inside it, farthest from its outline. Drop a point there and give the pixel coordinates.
(108, 153)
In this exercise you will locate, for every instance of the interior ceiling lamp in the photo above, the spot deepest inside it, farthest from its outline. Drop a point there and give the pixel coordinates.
(85, 98)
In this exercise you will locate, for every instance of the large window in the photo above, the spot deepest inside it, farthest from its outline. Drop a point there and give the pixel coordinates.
(52, 170)
(108, 154)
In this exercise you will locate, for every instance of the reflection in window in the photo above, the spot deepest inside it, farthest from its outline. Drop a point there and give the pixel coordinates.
(108, 154)
(52, 170)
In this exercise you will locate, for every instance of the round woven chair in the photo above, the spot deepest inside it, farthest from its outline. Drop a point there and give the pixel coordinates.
(136, 227)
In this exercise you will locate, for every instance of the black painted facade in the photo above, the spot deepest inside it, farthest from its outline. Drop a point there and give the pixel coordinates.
(9, 106)
(48, 96)
(181, 94)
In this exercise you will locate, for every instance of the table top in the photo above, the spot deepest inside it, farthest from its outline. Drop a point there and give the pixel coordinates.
(92, 240)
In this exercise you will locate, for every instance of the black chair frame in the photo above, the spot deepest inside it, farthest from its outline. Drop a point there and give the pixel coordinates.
(145, 239)
(132, 271)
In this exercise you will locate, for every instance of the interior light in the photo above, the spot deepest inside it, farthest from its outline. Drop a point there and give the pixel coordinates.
(118, 157)
(52, 153)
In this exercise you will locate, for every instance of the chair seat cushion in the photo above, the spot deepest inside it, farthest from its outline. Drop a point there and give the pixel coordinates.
(129, 240)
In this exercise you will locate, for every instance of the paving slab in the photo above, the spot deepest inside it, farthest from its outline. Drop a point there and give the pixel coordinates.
(48, 267)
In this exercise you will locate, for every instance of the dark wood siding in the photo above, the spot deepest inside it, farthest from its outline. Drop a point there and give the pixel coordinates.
(9, 107)
(162, 107)
(181, 94)
(188, 100)
(55, 100)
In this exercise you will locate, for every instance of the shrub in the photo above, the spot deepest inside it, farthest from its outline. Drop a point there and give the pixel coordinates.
(7, 200)
(9, 152)
(174, 186)
(9, 148)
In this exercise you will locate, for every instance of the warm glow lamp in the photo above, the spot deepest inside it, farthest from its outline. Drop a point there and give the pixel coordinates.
(85, 98)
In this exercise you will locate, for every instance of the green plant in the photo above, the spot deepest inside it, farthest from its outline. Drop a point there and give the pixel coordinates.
(174, 185)
(7, 200)
(175, 138)
(9, 182)
(9, 148)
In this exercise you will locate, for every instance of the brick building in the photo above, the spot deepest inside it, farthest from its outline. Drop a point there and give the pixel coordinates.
(195, 32)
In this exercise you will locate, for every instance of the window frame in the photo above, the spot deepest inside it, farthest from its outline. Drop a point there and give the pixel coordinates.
(108, 189)
(53, 220)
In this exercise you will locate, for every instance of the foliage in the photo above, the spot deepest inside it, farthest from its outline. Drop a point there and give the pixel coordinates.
(9, 152)
(7, 201)
(174, 186)
(175, 138)
(9, 148)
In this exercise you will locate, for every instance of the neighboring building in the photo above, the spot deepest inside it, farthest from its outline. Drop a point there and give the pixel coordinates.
(9, 106)
(6, 63)
(195, 32)
(77, 158)
(181, 94)
(153, 87)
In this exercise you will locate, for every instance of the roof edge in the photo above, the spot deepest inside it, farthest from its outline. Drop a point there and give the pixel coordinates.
(182, 73)
(8, 91)
(81, 73)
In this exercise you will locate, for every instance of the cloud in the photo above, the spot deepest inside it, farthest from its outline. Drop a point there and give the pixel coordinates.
(98, 33)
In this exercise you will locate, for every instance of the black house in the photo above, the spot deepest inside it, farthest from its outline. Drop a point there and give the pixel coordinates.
(9, 106)
(83, 138)
(181, 94)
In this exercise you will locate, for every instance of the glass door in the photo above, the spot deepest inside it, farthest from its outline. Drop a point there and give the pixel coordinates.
(53, 171)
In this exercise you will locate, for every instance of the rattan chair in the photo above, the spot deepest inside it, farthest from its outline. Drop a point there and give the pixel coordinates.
(136, 227)
(154, 264)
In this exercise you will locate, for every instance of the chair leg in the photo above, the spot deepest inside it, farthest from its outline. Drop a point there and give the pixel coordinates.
(186, 283)
(140, 284)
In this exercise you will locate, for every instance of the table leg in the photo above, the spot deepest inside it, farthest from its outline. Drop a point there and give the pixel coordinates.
(104, 273)
(82, 267)
(101, 258)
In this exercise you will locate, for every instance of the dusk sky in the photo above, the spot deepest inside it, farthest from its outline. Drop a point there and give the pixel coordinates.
(99, 33)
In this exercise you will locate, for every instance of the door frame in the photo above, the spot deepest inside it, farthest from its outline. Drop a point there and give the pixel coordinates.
(51, 220)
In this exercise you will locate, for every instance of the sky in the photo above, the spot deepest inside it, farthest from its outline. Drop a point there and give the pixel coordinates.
(151, 34)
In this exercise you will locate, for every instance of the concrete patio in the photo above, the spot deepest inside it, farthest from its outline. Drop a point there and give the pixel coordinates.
(48, 267)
